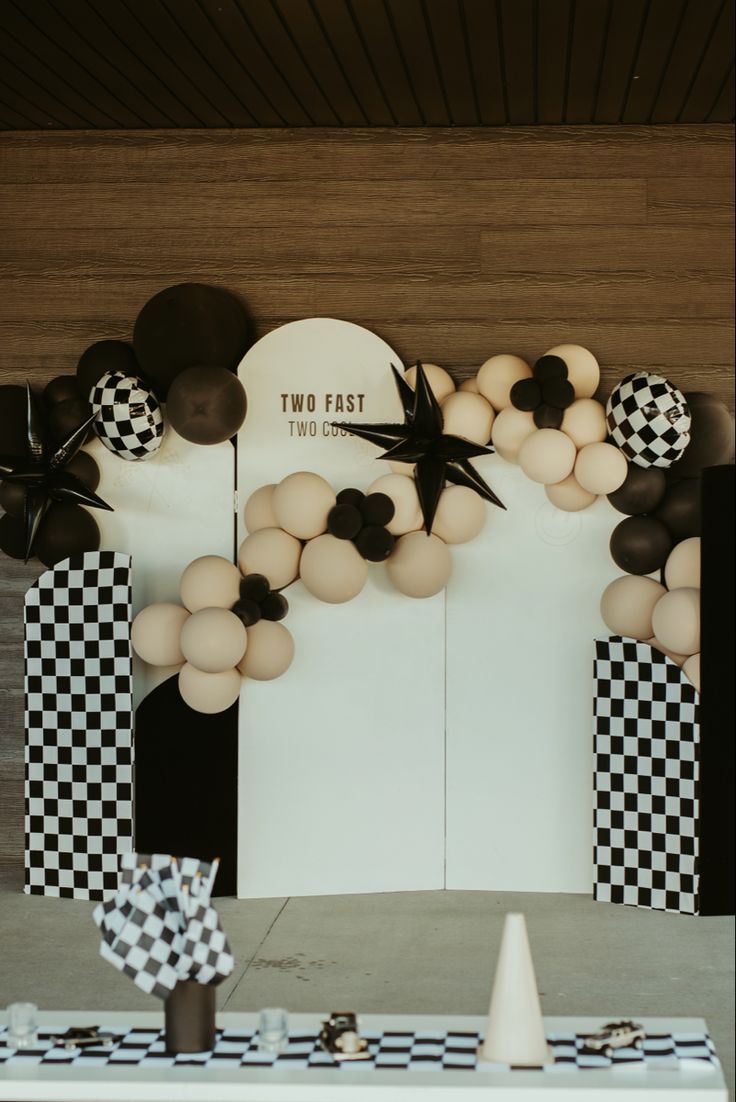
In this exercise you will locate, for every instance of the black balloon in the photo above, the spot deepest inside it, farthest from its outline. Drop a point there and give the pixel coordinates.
(374, 543)
(274, 607)
(547, 417)
(206, 405)
(377, 509)
(549, 367)
(247, 610)
(13, 412)
(65, 530)
(83, 466)
(254, 587)
(680, 509)
(64, 418)
(13, 498)
(711, 436)
(13, 536)
(344, 521)
(60, 389)
(188, 325)
(526, 394)
(640, 545)
(558, 393)
(350, 496)
(101, 357)
(641, 492)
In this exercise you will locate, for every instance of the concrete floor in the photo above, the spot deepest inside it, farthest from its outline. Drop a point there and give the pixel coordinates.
(419, 952)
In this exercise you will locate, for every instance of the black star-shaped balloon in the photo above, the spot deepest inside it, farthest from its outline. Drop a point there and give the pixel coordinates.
(40, 472)
(421, 440)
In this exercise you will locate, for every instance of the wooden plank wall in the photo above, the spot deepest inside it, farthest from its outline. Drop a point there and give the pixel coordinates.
(452, 244)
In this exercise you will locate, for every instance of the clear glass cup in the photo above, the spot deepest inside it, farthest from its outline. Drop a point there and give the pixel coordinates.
(22, 1025)
(273, 1029)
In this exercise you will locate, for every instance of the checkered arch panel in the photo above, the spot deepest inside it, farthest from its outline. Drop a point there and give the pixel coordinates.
(647, 740)
(79, 726)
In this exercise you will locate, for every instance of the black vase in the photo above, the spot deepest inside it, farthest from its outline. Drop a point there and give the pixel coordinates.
(189, 1015)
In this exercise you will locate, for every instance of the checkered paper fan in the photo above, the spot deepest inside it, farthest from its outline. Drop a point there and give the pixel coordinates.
(128, 417)
(160, 926)
(649, 420)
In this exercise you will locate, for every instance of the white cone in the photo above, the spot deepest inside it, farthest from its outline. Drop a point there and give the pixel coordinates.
(515, 1030)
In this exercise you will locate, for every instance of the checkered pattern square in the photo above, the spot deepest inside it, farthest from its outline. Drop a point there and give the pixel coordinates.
(79, 726)
(649, 420)
(128, 417)
(647, 739)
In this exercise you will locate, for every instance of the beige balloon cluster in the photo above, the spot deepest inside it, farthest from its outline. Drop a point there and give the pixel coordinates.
(665, 616)
(207, 641)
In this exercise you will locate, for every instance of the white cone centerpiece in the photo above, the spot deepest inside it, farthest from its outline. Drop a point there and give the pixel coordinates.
(515, 1029)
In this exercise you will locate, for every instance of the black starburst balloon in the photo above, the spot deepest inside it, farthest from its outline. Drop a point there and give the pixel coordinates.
(41, 474)
(438, 457)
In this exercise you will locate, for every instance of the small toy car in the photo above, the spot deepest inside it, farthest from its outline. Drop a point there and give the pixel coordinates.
(340, 1037)
(84, 1037)
(623, 1034)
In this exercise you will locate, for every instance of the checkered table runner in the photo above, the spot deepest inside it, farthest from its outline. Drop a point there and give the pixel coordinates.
(428, 1050)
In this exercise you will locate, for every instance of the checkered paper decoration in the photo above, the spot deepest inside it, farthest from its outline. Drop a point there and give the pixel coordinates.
(410, 1051)
(649, 420)
(79, 726)
(647, 741)
(128, 418)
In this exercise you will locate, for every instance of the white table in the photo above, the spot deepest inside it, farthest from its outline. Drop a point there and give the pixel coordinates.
(191, 1084)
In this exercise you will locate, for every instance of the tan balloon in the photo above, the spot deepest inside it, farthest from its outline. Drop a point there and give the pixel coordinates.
(676, 620)
(332, 570)
(209, 692)
(510, 430)
(210, 582)
(420, 565)
(601, 468)
(569, 495)
(691, 669)
(213, 640)
(678, 659)
(258, 512)
(682, 569)
(496, 377)
(155, 634)
(272, 552)
(585, 422)
(470, 385)
(441, 382)
(460, 515)
(582, 368)
(270, 651)
(547, 456)
(403, 492)
(469, 416)
(301, 503)
(627, 605)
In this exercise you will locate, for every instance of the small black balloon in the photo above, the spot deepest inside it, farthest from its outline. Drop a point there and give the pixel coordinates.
(680, 509)
(65, 530)
(526, 394)
(549, 367)
(377, 509)
(248, 611)
(66, 417)
(374, 543)
(60, 389)
(640, 545)
(13, 536)
(86, 470)
(255, 587)
(559, 393)
(344, 521)
(547, 417)
(274, 607)
(641, 491)
(101, 357)
(350, 496)
(13, 498)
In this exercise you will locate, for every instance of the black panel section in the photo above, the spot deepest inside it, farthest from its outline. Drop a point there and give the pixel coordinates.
(717, 719)
(186, 782)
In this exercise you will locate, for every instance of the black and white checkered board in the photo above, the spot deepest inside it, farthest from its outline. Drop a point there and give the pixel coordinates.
(646, 779)
(79, 726)
(394, 1051)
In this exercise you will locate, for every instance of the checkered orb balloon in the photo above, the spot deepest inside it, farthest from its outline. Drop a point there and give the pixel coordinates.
(128, 417)
(649, 420)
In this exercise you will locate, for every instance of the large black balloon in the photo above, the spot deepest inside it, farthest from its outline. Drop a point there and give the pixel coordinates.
(641, 492)
(64, 418)
(13, 536)
(188, 325)
(60, 389)
(13, 420)
(640, 545)
(711, 436)
(206, 405)
(680, 509)
(65, 530)
(101, 357)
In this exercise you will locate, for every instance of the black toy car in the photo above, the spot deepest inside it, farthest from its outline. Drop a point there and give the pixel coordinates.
(340, 1037)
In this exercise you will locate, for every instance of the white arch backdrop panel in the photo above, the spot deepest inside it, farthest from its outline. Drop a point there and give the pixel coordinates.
(341, 761)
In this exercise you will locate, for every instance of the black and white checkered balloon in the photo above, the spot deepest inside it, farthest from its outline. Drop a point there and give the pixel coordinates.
(128, 417)
(649, 420)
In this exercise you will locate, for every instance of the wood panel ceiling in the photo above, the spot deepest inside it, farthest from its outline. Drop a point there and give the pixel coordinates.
(136, 64)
